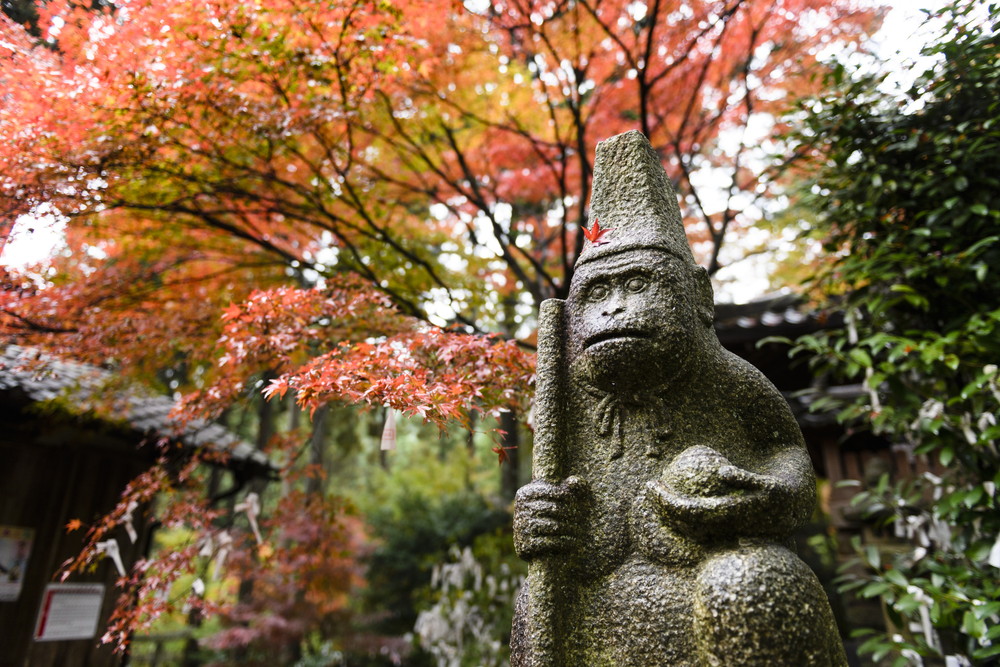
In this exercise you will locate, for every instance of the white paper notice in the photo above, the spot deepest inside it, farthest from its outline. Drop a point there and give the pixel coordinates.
(15, 549)
(69, 611)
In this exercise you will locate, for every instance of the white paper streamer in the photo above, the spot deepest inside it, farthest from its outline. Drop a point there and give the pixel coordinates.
(127, 520)
(251, 505)
(110, 549)
(207, 548)
(225, 545)
(994, 558)
(389, 431)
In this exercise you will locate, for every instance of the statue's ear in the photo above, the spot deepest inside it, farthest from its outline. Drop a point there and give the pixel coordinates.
(704, 297)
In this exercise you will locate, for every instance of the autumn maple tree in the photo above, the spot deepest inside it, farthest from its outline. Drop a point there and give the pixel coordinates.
(438, 153)
(365, 201)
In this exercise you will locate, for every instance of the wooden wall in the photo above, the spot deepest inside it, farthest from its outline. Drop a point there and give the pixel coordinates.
(53, 469)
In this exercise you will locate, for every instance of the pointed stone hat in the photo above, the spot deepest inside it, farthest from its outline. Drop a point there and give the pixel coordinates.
(634, 200)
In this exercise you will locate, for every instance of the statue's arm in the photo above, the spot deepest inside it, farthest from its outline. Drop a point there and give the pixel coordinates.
(769, 493)
(785, 461)
(789, 493)
(771, 502)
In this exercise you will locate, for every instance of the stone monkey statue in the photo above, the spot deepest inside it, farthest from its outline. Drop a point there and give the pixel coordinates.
(685, 473)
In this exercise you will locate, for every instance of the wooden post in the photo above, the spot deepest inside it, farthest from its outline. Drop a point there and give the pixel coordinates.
(547, 464)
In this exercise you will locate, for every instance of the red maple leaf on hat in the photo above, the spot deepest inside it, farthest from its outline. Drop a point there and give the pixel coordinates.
(595, 234)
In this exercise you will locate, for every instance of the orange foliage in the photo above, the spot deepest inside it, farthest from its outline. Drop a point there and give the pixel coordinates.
(350, 195)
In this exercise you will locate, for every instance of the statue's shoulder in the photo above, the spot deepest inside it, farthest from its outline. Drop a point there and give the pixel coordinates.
(752, 393)
(744, 374)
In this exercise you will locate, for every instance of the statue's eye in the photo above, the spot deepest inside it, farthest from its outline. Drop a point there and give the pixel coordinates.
(598, 292)
(636, 284)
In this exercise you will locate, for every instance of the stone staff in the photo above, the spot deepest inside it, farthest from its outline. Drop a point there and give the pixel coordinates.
(547, 465)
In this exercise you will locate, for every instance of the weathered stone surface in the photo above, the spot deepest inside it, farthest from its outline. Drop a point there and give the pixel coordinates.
(669, 473)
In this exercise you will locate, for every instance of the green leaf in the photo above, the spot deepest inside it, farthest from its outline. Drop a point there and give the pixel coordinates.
(907, 604)
(979, 245)
(947, 456)
(875, 589)
(986, 652)
(981, 268)
(896, 577)
(872, 556)
(862, 358)
(972, 626)
(973, 496)
(985, 610)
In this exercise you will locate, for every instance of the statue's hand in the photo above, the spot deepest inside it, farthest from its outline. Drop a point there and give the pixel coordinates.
(548, 518)
(703, 494)
(737, 481)
(726, 512)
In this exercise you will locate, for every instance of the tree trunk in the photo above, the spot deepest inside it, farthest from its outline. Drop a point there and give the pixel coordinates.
(317, 448)
(510, 471)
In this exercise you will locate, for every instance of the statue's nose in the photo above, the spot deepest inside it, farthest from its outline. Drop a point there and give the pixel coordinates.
(614, 306)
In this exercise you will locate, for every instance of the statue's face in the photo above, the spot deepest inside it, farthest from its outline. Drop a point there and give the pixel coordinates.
(631, 320)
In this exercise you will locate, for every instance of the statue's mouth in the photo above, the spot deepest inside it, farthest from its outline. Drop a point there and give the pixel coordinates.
(615, 334)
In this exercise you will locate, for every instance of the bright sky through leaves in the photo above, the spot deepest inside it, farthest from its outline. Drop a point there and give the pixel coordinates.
(897, 45)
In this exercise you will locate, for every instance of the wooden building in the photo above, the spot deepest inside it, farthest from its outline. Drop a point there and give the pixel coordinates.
(60, 462)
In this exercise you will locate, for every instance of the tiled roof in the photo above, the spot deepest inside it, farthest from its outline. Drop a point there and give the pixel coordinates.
(773, 315)
(43, 377)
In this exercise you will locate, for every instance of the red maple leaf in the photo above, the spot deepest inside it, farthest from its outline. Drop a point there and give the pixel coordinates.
(502, 455)
(595, 234)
